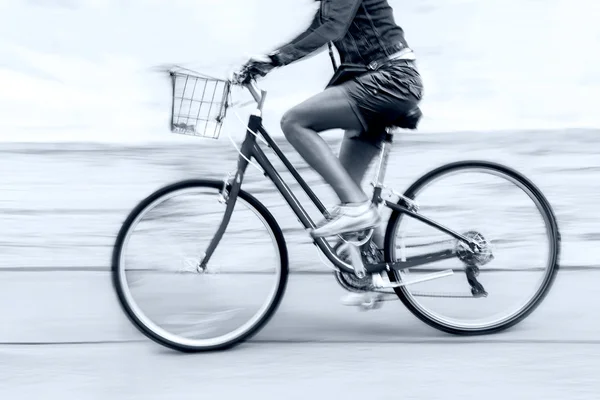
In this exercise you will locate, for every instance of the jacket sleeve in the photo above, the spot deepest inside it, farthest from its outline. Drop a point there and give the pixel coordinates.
(330, 24)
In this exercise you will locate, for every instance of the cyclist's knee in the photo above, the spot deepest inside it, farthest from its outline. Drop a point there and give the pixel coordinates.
(290, 122)
(285, 122)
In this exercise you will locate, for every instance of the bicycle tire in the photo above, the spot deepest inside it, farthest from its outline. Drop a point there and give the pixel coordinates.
(395, 219)
(281, 284)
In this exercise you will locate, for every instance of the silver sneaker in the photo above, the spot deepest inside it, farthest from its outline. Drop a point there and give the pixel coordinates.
(332, 214)
(347, 219)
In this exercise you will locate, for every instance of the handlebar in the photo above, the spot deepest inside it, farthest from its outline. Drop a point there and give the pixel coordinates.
(242, 78)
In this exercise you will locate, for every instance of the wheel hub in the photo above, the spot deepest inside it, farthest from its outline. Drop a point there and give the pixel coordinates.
(477, 253)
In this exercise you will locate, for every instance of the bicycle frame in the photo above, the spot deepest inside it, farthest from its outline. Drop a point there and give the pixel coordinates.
(251, 149)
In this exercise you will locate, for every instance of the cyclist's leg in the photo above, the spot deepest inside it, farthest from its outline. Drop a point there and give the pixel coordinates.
(330, 109)
(356, 155)
(380, 97)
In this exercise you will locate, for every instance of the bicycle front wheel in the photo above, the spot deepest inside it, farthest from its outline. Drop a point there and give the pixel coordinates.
(169, 298)
(511, 220)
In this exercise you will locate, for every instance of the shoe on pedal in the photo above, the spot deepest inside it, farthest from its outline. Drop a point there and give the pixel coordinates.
(363, 299)
(348, 218)
(355, 298)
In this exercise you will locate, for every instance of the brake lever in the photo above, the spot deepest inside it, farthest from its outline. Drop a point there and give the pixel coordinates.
(237, 77)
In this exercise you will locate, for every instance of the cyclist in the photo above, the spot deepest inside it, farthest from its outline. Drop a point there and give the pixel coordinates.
(364, 33)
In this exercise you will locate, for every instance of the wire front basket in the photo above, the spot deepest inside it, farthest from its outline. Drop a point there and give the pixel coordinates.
(199, 104)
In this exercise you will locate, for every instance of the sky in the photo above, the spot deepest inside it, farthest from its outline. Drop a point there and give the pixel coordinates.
(88, 69)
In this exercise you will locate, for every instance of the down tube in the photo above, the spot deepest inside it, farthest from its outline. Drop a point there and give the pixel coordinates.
(300, 212)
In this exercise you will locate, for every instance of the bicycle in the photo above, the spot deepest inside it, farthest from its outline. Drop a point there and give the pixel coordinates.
(468, 252)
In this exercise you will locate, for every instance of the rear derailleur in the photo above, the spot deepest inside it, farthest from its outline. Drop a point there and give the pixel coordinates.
(477, 253)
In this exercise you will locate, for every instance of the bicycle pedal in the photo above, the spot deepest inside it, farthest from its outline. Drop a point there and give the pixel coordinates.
(364, 301)
(375, 301)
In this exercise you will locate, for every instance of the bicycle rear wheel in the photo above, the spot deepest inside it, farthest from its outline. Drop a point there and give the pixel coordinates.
(172, 301)
(504, 212)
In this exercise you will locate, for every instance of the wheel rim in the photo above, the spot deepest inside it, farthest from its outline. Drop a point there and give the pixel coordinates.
(412, 294)
(154, 328)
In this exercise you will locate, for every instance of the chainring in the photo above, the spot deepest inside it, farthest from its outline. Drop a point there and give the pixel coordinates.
(350, 281)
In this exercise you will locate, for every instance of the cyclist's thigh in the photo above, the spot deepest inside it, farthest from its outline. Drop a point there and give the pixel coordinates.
(356, 154)
(330, 109)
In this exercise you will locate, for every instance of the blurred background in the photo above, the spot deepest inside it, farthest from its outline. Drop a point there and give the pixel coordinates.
(84, 113)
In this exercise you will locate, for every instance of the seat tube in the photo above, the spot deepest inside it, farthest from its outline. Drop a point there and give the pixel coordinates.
(381, 167)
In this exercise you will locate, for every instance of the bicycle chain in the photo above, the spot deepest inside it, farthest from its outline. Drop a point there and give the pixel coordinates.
(432, 294)
(444, 295)
(356, 288)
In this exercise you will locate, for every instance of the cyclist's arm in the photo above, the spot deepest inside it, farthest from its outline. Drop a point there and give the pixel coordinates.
(337, 15)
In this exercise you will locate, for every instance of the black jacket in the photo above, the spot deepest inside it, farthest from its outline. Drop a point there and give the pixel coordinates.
(361, 30)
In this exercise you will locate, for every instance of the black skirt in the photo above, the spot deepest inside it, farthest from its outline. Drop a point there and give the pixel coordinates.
(380, 97)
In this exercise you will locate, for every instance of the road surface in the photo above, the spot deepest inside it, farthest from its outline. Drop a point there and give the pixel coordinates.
(313, 347)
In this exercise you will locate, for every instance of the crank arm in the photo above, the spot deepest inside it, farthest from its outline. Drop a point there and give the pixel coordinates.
(356, 259)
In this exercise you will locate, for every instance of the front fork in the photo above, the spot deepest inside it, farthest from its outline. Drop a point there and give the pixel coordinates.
(231, 189)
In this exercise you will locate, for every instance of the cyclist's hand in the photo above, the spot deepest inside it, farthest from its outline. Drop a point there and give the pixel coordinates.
(260, 65)
(256, 66)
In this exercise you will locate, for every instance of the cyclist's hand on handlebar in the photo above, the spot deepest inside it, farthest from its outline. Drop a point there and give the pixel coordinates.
(260, 65)
(256, 66)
